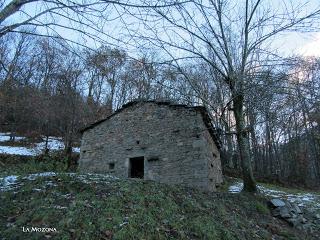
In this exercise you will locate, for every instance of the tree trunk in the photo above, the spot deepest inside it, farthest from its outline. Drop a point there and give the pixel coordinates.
(46, 149)
(252, 122)
(243, 143)
(269, 165)
(68, 153)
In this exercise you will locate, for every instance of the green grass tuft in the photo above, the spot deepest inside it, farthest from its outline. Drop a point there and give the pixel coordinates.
(262, 208)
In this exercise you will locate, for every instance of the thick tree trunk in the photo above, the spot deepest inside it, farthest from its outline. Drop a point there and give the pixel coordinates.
(243, 143)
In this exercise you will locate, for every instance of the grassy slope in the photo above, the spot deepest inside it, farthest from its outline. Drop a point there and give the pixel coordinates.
(133, 209)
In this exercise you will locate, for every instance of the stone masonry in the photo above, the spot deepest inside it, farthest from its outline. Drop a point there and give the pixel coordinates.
(175, 144)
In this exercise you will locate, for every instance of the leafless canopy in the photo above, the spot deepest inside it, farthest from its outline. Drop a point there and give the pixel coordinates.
(84, 22)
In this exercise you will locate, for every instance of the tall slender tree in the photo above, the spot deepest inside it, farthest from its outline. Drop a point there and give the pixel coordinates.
(234, 38)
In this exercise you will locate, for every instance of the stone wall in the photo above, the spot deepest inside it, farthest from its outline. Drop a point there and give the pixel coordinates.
(174, 141)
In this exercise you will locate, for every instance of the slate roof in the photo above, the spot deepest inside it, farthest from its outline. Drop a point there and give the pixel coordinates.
(204, 112)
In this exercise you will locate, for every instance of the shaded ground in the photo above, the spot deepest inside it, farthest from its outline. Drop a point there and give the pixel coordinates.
(94, 206)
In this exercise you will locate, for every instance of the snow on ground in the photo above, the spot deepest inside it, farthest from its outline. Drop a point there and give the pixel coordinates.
(54, 143)
(7, 183)
(301, 199)
(236, 187)
(94, 177)
(4, 137)
(17, 151)
(36, 175)
(76, 149)
(13, 182)
(3, 134)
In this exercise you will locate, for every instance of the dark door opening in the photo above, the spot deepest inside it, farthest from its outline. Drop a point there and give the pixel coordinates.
(136, 169)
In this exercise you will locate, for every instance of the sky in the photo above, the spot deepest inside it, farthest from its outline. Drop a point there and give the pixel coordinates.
(305, 44)
(311, 46)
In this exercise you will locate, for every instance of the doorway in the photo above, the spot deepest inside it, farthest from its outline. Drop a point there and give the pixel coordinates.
(136, 167)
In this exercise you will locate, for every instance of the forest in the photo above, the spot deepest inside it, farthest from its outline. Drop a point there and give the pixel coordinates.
(46, 89)
(266, 106)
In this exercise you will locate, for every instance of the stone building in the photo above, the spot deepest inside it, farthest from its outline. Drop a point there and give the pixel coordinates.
(152, 140)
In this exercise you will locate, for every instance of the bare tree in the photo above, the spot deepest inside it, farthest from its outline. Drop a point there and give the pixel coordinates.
(17, 66)
(234, 38)
(88, 23)
(106, 65)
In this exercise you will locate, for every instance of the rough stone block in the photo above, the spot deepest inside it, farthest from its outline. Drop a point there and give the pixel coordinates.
(277, 202)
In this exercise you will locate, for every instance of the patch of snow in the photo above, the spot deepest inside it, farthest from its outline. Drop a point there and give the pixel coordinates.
(59, 207)
(76, 149)
(123, 224)
(68, 195)
(93, 177)
(96, 176)
(17, 151)
(3, 134)
(4, 137)
(19, 138)
(11, 182)
(37, 189)
(301, 199)
(8, 183)
(50, 184)
(53, 144)
(236, 188)
(36, 175)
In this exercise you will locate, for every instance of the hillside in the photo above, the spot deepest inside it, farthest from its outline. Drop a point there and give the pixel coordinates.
(24, 146)
(90, 206)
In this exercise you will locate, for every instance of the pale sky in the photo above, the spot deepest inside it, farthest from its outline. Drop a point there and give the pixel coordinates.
(293, 43)
(311, 46)
(306, 44)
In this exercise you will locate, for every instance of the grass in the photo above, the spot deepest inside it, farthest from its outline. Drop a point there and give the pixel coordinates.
(17, 165)
(261, 208)
(80, 207)
(33, 166)
(98, 207)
